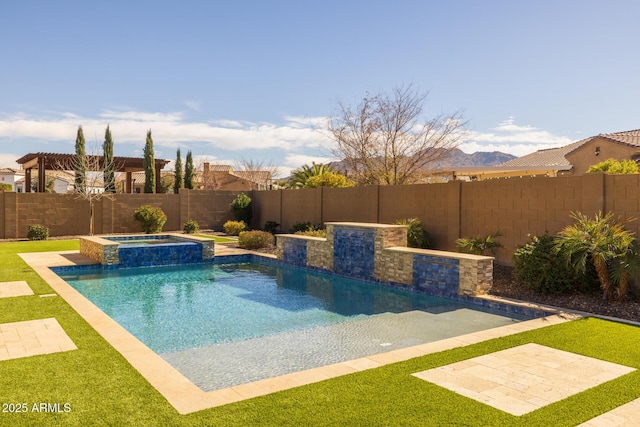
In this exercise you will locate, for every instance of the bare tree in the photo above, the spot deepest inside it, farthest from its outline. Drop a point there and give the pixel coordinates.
(91, 185)
(385, 140)
(258, 171)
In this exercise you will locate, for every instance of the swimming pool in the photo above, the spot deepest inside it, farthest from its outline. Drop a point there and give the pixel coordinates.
(228, 324)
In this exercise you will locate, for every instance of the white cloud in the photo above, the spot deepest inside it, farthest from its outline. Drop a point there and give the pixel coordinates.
(511, 138)
(168, 129)
(9, 161)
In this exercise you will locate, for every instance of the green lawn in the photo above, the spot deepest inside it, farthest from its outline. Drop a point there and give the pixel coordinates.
(103, 389)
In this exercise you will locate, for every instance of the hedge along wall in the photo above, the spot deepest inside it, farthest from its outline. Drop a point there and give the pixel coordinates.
(67, 215)
(517, 207)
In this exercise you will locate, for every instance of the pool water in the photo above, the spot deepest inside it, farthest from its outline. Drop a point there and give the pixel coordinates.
(223, 325)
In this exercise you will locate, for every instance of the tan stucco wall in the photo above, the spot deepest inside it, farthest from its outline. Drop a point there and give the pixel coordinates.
(585, 156)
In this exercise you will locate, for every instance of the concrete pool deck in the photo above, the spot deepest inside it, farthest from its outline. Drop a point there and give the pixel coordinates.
(185, 397)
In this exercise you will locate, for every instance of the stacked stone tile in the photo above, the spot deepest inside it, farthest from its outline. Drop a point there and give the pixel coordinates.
(379, 252)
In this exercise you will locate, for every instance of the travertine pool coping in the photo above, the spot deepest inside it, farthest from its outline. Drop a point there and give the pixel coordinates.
(186, 397)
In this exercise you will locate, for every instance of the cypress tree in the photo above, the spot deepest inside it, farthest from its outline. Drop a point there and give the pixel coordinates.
(149, 164)
(189, 172)
(109, 166)
(80, 163)
(178, 178)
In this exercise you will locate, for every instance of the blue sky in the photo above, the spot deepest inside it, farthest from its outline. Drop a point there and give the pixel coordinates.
(254, 80)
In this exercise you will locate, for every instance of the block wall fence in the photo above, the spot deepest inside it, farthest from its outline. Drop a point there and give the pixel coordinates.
(517, 207)
(66, 215)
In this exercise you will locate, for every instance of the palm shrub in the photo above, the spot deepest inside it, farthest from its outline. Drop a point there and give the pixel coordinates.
(234, 228)
(608, 244)
(417, 237)
(479, 245)
(256, 239)
(271, 227)
(151, 218)
(241, 207)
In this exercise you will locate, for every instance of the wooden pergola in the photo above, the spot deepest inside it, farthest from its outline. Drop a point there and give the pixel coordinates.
(53, 161)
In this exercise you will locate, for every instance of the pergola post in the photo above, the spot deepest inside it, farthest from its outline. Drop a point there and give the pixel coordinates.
(27, 180)
(158, 183)
(41, 174)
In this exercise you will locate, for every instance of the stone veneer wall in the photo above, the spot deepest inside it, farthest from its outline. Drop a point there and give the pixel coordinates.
(106, 252)
(379, 252)
(102, 250)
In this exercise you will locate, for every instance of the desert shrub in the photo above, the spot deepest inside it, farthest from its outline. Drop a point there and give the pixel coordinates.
(271, 227)
(538, 266)
(417, 237)
(241, 207)
(304, 226)
(151, 218)
(234, 228)
(191, 227)
(37, 232)
(479, 245)
(255, 239)
(313, 233)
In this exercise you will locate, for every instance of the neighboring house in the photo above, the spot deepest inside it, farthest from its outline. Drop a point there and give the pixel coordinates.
(223, 177)
(138, 180)
(13, 177)
(573, 159)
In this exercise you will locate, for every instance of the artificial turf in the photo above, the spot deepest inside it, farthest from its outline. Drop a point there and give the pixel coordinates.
(101, 388)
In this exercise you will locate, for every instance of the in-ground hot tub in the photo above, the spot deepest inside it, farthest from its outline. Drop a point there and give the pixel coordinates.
(145, 250)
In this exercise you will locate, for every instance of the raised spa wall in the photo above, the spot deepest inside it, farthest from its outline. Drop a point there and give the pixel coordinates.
(107, 252)
(379, 252)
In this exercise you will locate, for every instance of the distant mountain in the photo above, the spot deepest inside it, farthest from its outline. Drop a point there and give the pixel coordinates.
(479, 158)
(455, 158)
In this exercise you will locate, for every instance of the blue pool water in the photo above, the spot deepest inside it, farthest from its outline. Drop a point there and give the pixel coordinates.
(226, 324)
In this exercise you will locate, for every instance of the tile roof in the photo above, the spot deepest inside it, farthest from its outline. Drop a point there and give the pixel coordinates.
(557, 156)
(630, 137)
(548, 157)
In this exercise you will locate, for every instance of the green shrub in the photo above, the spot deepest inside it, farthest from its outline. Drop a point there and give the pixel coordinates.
(417, 237)
(304, 226)
(234, 228)
(191, 227)
(37, 232)
(479, 245)
(613, 166)
(5, 187)
(255, 239)
(313, 233)
(271, 227)
(241, 207)
(151, 218)
(539, 267)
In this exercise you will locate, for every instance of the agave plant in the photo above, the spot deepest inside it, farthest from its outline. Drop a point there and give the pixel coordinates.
(607, 243)
(480, 245)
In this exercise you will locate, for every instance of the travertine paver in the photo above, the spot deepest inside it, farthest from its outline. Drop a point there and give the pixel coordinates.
(33, 337)
(627, 415)
(524, 378)
(14, 289)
